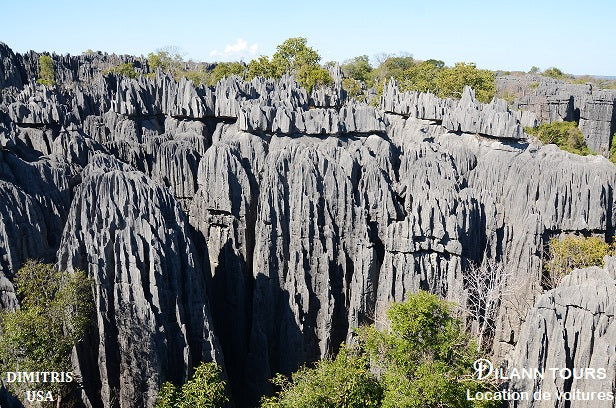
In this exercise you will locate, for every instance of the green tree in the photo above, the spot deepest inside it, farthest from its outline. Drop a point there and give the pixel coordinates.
(425, 357)
(126, 69)
(353, 87)
(534, 70)
(345, 381)
(224, 70)
(358, 68)
(310, 76)
(261, 67)
(292, 56)
(46, 71)
(555, 73)
(422, 77)
(565, 135)
(206, 389)
(570, 253)
(451, 82)
(169, 60)
(391, 67)
(54, 315)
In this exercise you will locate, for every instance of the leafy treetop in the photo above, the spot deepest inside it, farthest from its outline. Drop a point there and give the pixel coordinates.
(46, 71)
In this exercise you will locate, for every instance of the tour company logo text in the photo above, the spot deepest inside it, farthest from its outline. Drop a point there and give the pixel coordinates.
(485, 371)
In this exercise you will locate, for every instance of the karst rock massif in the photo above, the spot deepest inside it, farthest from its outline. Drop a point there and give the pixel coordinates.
(256, 225)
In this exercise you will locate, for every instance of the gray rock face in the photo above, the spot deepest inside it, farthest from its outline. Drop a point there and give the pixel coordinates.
(551, 100)
(277, 220)
(9, 72)
(23, 235)
(466, 115)
(152, 317)
(571, 327)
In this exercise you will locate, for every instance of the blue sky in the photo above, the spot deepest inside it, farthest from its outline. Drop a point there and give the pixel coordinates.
(578, 37)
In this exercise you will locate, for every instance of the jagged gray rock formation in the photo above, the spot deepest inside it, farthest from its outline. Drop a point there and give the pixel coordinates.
(466, 115)
(571, 327)
(551, 100)
(152, 316)
(273, 220)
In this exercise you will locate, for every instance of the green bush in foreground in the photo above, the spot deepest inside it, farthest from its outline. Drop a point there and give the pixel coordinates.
(345, 381)
(565, 135)
(54, 315)
(423, 360)
(570, 253)
(206, 389)
(46, 71)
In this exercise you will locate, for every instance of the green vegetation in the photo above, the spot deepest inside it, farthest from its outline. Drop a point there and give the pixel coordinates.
(353, 87)
(358, 68)
(224, 70)
(423, 360)
(573, 252)
(391, 67)
(55, 313)
(46, 71)
(452, 81)
(555, 73)
(292, 56)
(168, 60)
(565, 135)
(423, 76)
(206, 389)
(345, 381)
(126, 69)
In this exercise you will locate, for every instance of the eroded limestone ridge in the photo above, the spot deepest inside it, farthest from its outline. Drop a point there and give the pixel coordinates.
(257, 225)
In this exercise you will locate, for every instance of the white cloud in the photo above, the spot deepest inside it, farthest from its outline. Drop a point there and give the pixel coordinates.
(238, 50)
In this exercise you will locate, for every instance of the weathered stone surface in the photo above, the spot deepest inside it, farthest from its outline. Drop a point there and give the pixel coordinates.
(493, 119)
(466, 115)
(152, 314)
(571, 327)
(551, 100)
(308, 214)
(9, 71)
(23, 235)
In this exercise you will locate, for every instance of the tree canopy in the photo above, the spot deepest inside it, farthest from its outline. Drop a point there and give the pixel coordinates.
(292, 56)
(423, 359)
(46, 74)
(205, 389)
(54, 315)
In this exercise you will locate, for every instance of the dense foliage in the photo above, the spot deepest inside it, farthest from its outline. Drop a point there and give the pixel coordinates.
(424, 359)
(292, 56)
(46, 75)
(126, 69)
(570, 253)
(345, 381)
(55, 312)
(206, 389)
(423, 76)
(565, 135)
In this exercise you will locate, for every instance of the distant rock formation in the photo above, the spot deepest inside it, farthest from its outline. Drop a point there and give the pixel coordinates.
(551, 100)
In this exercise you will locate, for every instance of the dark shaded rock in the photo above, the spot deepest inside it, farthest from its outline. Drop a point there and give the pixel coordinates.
(152, 317)
(9, 68)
